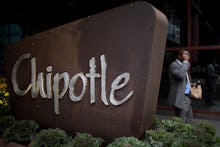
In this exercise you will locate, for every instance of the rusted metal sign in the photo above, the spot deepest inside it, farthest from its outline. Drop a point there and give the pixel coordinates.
(100, 74)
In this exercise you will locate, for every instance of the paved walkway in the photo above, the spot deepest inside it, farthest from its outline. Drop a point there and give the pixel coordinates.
(196, 104)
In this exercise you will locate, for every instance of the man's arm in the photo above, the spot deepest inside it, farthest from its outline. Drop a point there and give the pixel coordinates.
(180, 71)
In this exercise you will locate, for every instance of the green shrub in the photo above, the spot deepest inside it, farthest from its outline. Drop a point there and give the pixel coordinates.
(128, 142)
(175, 133)
(86, 140)
(157, 123)
(159, 137)
(176, 124)
(180, 142)
(50, 138)
(21, 131)
(178, 127)
(206, 133)
(5, 122)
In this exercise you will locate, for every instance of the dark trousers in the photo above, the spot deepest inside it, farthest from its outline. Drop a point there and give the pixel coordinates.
(186, 112)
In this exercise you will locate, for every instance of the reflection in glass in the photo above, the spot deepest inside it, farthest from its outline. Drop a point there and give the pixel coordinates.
(198, 72)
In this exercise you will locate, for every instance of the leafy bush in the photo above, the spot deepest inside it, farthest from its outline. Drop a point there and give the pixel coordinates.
(206, 133)
(50, 138)
(162, 138)
(86, 140)
(4, 97)
(21, 131)
(175, 133)
(159, 137)
(128, 142)
(5, 122)
(157, 122)
(178, 127)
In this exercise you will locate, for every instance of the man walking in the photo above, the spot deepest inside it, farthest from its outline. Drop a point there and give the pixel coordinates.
(179, 94)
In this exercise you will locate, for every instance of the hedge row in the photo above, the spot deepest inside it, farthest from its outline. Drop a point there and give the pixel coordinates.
(165, 133)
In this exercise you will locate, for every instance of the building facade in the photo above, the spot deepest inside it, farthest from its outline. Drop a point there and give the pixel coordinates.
(193, 24)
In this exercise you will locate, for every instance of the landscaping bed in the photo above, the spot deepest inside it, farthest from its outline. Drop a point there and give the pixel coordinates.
(171, 132)
(164, 133)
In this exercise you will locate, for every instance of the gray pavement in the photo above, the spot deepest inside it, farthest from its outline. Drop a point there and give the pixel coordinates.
(196, 104)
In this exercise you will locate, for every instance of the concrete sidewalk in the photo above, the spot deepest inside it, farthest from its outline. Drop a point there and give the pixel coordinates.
(215, 123)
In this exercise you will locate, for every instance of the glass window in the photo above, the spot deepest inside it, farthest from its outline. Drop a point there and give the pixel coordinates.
(10, 33)
(198, 72)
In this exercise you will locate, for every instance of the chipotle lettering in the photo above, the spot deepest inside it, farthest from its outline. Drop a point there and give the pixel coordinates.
(37, 86)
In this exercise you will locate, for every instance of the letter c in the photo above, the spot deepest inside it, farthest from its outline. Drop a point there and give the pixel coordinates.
(17, 90)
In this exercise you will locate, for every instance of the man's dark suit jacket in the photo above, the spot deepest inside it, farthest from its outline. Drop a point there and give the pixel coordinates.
(178, 81)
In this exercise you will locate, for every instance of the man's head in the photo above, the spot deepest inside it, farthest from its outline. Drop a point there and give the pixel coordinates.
(183, 55)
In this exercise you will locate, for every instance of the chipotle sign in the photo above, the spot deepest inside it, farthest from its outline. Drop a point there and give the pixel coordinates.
(99, 74)
(52, 89)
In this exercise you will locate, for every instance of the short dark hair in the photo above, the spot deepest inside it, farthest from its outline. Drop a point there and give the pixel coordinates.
(181, 51)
